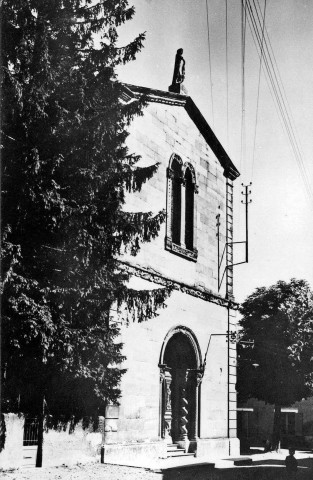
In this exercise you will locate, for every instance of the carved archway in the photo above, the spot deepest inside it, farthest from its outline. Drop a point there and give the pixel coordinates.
(180, 374)
(190, 335)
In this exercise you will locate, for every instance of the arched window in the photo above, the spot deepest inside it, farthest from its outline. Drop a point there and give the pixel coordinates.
(176, 200)
(181, 215)
(189, 209)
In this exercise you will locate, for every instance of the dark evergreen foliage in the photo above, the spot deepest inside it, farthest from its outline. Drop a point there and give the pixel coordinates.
(65, 170)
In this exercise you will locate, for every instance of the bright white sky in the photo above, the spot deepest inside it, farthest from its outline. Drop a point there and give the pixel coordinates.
(281, 215)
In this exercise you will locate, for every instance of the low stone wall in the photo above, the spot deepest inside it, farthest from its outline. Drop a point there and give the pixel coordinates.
(62, 447)
(59, 446)
(127, 454)
(12, 453)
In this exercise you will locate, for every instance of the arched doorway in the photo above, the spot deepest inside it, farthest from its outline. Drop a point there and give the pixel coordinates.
(181, 375)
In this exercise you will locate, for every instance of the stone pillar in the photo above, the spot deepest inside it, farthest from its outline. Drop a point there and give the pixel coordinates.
(183, 214)
(166, 380)
(196, 380)
(108, 427)
(110, 423)
(195, 216)
(169, 217)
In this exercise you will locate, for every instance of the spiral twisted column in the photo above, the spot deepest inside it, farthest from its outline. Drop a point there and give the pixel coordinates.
(166, 380)
(183, 440)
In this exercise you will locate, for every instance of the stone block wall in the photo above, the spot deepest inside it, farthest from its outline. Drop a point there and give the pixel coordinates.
(162, 131)
(165, 130)
(140, 402)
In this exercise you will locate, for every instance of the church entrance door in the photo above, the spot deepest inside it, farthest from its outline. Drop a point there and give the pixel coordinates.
(179, 392)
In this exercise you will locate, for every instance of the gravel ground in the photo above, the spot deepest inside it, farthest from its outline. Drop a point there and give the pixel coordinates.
(268, 468)
(81, 472)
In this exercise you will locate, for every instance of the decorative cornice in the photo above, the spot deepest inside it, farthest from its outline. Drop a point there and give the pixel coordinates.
(157, 96)
(169, 98)
(154, 277)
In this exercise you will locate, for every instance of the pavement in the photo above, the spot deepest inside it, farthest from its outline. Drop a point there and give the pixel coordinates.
(264, 466)
(257, 456)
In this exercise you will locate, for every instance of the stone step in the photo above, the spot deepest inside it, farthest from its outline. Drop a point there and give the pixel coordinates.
(171, 448)
(179, 453)
(241, 461)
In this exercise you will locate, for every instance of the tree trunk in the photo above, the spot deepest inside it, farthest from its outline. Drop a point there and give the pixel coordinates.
(276, 428)
(40, 434)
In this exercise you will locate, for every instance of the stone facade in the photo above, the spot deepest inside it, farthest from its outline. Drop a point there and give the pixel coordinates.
(163, 400)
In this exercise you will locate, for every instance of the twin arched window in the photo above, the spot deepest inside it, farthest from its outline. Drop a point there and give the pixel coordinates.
(181, 189)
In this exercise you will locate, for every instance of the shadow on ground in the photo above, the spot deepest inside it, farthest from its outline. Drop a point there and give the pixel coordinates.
(262, 470)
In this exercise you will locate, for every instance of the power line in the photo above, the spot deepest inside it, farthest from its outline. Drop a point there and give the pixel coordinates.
(292, 123)
(210, 63)
(226, 55)
(258, 95)
(287, 124)
(284, 100)
(243, 107)
(255, 25)
(275, 62)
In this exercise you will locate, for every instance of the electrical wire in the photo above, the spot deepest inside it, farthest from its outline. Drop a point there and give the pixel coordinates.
(276, 66)
(298, 145)
(285, 103)
(226, 58)
(290, 132)
(254, 37)
(210, 63)
(255, 24)
(243, 107)
(258, 94)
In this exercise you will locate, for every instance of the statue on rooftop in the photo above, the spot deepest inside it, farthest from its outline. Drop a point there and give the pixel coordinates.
(179, 68)
(179, 73)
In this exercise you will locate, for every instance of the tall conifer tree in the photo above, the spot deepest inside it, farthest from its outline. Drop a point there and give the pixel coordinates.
(64, 172)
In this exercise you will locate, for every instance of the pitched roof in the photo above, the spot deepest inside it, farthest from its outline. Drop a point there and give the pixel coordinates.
(169, 98)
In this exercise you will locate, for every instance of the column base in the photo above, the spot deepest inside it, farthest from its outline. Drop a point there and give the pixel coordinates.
(192, 445)
(183, 444)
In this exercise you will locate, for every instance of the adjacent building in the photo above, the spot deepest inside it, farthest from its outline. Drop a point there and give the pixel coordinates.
(256, 419)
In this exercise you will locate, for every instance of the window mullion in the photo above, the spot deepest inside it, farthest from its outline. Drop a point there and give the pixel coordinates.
(183, 215)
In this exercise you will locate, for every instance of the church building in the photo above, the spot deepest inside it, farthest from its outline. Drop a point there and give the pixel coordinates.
(178, 394)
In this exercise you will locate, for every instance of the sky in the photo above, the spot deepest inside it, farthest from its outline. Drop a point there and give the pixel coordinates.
(281, 214)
